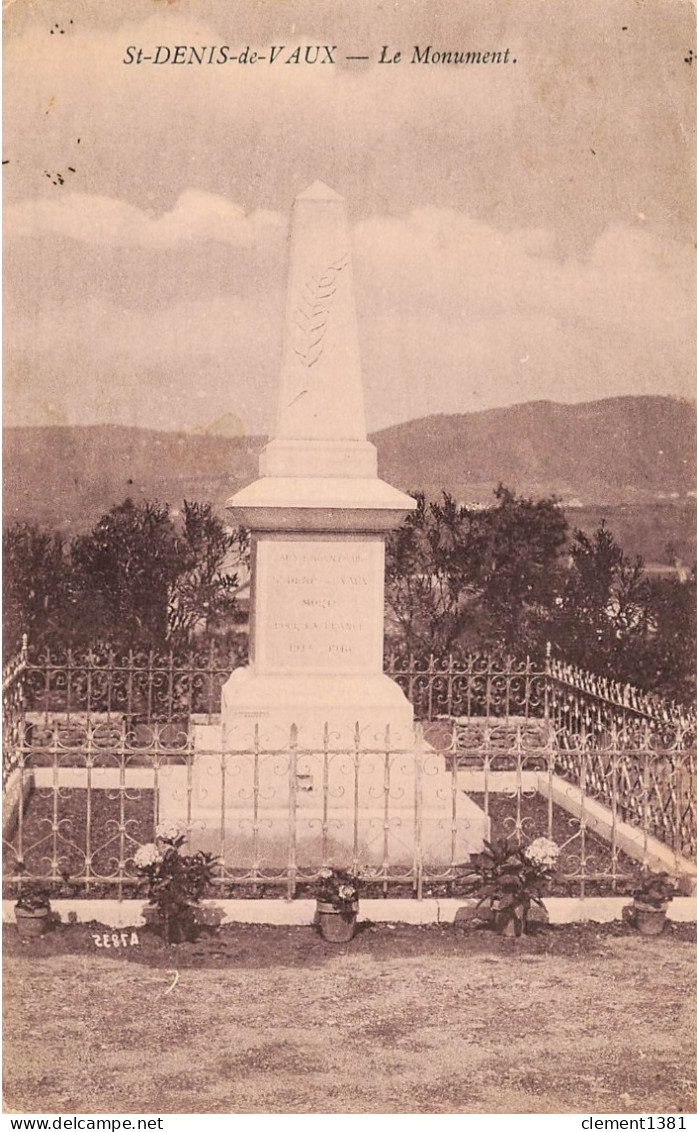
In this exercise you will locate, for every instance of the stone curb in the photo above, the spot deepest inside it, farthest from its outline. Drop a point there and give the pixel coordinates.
(297, 913)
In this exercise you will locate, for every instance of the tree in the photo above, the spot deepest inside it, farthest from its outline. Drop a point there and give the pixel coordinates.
(123, 572)
(36, 586)
(522, 571)
(606, 611)
(667, 663)
(458, 576)
(426, 576)
(203, 596)
(137, 580)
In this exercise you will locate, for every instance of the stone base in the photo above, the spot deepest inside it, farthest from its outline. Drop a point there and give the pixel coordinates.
(330, 707)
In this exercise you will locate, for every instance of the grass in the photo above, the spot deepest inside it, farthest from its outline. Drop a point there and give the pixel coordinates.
(402, 1020)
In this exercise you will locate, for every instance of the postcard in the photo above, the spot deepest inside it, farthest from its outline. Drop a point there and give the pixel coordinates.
(316, 272)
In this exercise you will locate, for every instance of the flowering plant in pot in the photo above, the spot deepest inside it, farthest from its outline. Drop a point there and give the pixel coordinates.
(175, 881)
(336, 892)
(511, 879)
(32, 910)
(651, 900)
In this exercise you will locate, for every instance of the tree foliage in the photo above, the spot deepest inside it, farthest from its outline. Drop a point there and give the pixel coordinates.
(457, 579)
(36, 585)
(137, 579)
(123, 571)
(203, 596)
(508, 578)
(615, 621)
(480, 578)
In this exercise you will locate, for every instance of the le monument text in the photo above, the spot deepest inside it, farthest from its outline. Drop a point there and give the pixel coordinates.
(308, 55)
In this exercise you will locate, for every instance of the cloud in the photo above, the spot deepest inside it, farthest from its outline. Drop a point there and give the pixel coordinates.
(454, 315)
(181, 366)
(197, 216)
(632, 282)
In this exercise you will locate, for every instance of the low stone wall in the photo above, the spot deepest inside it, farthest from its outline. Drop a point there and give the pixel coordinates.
(562, 910)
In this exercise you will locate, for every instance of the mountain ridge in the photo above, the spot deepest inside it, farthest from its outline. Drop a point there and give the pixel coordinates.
(619, 452)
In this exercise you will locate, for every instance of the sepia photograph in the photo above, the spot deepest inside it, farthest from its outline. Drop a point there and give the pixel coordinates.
(349, 561)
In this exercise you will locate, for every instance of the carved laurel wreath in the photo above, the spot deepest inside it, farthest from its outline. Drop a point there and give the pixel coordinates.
(311, 316)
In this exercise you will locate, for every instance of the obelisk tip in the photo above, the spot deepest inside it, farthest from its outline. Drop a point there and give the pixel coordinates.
(319, 191)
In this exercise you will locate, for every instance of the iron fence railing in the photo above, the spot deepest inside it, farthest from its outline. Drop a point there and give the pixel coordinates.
(94, 741)
(589, 707)
(143, 686)
(155, 687)
(13, 710)
(92, 792)
(477, 685)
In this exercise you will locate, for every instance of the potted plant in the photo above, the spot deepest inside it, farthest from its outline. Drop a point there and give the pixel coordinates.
(175, 881)
(651, 900)
(510, 880)
(32, 911)
(337, 904)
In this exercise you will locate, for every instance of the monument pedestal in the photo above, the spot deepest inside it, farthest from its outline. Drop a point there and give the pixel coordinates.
(316, 644)
(337, 709)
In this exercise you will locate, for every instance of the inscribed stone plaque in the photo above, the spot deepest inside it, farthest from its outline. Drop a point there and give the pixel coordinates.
(319, 605)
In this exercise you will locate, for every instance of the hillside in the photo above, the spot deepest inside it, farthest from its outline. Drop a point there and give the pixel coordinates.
(68, 477)
(631, 457)
(623, 450)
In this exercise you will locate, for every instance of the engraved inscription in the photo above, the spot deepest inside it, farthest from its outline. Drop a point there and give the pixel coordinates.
(321, 606)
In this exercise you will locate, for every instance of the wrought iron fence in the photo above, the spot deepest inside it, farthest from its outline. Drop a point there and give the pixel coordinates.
(153, 687)
(92, 792)
(593, 708)
(580, 705)
(13, 711)
(138, 686)
(489, 686)
(95, 744)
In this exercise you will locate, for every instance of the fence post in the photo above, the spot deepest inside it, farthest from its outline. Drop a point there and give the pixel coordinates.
(189, 781)
(292, 810)
(454, 767)
(223, 788)
(89, 763)
(386, 810)
(255, 808)
(418, 811)
(645, 818)
(583, 775)
(325, 793)
(356, 794)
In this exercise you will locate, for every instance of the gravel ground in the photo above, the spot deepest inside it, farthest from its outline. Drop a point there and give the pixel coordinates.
(437, 1019)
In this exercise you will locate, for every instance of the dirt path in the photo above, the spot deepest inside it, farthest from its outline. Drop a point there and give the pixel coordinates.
(403, 1020)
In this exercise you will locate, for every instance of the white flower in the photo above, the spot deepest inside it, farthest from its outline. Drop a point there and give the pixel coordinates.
(543, 852)
(169, 831)
(325, 874)
(347, 892)
(147, 855)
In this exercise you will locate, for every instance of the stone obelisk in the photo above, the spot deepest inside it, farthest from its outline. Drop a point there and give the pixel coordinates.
(318, 517)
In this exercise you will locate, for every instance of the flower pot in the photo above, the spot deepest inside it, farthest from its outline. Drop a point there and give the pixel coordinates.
(648, 919)
(337, 925)
(537, 917)
(30, 925)
(180, 928)
(508, 925)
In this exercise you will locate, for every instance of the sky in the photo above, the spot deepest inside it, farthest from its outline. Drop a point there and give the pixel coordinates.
(520, 231)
